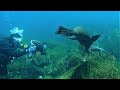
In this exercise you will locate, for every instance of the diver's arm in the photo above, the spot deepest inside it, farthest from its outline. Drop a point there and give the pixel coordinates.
(17, 52)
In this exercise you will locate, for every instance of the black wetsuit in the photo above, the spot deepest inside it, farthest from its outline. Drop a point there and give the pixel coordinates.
(8, 50)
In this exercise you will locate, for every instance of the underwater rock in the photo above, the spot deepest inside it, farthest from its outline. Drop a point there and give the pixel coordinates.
(72, 60)
(68, 74)
(24, 71)
(113, 48)
(96, 67)
(40, 64)
(57, 71)
(82, 71)
(72, 63)
(40, 77)
(78, 72)
(65, 63)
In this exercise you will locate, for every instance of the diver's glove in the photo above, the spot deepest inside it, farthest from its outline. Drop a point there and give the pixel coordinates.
(31, 50)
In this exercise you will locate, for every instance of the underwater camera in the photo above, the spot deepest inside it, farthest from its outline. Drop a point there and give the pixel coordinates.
(41, 47)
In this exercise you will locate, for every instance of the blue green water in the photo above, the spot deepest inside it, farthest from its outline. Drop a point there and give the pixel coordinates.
(43, 24)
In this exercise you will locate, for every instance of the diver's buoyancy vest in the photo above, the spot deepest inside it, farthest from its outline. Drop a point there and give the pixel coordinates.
(4, 42)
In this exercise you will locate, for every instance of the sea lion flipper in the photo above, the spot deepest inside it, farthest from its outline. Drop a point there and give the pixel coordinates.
(94, 38)
(73, 38)
(64, 31)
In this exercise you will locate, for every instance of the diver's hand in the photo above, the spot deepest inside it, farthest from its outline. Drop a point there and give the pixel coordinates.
(32, 49)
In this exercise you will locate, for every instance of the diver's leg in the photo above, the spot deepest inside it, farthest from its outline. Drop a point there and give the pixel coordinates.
(3, 70)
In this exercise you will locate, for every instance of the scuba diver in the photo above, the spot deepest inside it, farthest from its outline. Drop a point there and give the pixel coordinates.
(10, 47)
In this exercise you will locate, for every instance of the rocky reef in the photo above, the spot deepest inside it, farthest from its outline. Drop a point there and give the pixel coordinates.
(67, 62)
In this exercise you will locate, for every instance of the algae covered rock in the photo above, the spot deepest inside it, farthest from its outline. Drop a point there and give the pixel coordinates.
(96, 67)
(113, 43)
(62, 62)
(68, 74)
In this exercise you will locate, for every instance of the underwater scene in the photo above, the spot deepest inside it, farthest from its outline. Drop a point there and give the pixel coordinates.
(59, 44)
